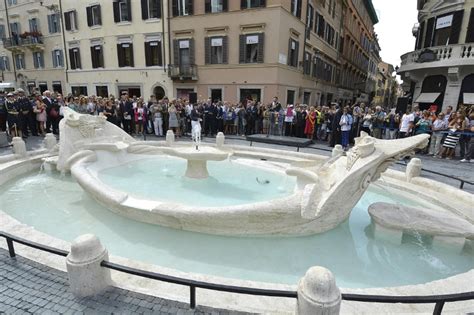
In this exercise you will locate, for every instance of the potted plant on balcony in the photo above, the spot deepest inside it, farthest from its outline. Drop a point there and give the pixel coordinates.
(24, 35)
(36, 34)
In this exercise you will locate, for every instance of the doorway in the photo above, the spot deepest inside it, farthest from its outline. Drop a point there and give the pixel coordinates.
(159, 92)
(216, 95)
(250, 94)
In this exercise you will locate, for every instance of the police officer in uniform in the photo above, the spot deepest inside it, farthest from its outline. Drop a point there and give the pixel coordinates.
(13, 113)
(26, 109)
(3, 112)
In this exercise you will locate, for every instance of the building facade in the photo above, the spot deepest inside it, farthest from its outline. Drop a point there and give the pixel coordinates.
(357, 44)
(232, 50)
(90, 48)
(440, 71)
(31, 50)
(116, 46)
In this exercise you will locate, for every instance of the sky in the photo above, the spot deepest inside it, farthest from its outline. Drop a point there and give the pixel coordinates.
(396, 20)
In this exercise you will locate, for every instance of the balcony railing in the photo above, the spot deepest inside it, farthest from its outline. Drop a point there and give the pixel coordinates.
(17, 42)
(439, 56)
(183, 72)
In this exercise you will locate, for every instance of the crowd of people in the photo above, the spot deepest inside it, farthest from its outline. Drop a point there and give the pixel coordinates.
(333, 123)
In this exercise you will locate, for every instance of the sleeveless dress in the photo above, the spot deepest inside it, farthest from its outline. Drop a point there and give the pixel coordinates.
(173, 120)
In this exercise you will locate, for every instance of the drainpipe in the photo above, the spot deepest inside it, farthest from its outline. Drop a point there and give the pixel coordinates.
(10, 36)
(66, 64)
(163, 37)
(169, 31)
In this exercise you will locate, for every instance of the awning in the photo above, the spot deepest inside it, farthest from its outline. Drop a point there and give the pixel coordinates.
(468, 98)
(427, 97)
(4, 85)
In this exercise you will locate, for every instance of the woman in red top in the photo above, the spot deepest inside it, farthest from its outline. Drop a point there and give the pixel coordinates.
(310, 122)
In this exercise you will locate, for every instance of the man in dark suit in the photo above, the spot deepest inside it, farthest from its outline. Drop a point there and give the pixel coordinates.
(336, 128)
(126, 112)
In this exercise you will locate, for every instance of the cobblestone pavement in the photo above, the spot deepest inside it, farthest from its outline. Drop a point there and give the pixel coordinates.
(27, 287)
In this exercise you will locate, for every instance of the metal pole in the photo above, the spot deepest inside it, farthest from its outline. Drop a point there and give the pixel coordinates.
(462, 185)
(66, 63)
(192, 297)
(438, 308)
(11, 249)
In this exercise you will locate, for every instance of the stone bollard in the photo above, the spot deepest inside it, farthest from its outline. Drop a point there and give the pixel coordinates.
(318, 293)
(170, 138)
(338, 150)
(413, 169)
(86, 276)
(220, 138)
(19, 146)
(50, 141)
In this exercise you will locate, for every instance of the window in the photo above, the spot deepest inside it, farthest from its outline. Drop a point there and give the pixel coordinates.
(248, 4)
(125, 55)
(290, 97)
(470, 28)
(12, 2)
(53, 23)
(4, 63)
(20, 61)
(307, 63)
(75, 58)
(2, 31)
(122, 11)
(79, 90)
(70, 20)
(296, 8)
(153, 53)
(94, 15)
(216, 50)
(58, 60)
(216, 6)
(182, 7)
(102, 90)
(306, 97)
(251, 48)
(38, 59)
(33, 25)
(184, 52)
(151, 9)
(293, 53)
(97, 56)
(320, 25)
(310, 17)
(15, 29)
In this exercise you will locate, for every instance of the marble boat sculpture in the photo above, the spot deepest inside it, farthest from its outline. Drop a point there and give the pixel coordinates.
(323, 197)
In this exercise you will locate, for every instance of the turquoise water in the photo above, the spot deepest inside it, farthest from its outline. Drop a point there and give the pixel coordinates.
(58, 206)
(229, 183)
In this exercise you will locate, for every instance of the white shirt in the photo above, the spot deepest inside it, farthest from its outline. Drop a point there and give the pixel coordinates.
(406, 120)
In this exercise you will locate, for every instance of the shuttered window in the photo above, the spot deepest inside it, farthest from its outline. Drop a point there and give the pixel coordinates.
(75, 58)
(182, 7)
(94, 15)
(53, 23)
(307, 63)
(296, 8)
(249, 4)
(97, 56)
(456, 27)
(122, 11)
(20, 61)
(320, 25)
(470, 28)
(429, 32)
(4, 63)
(57, 57)
(251, 48)
(153, 53)
(38, 59)
(216, 6)
(293, 47)
(70, 20)
(216, 50)
(151, 9)
(419, 37)
(125, 55)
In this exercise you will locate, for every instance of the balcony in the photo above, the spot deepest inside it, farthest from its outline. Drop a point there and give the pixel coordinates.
(17, 43)
(440, 56)
(183, 72)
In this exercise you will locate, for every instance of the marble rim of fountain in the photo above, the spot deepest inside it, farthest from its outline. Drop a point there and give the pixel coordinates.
(453, 284)
(436, 192)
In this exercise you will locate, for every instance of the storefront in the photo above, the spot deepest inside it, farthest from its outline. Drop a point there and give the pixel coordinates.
(432, 93)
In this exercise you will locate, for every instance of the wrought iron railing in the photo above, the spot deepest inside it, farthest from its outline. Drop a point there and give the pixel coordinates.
(183, 71)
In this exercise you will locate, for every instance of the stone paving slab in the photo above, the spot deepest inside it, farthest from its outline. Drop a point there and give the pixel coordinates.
(27, 287)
